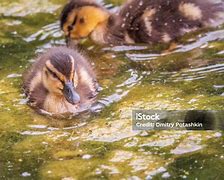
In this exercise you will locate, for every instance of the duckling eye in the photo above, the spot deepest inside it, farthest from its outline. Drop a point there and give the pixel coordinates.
(54, 76)
(48, 71)
(82, 20)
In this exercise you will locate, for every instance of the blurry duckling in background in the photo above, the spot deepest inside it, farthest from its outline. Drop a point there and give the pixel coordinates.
(60, 81)
(138, 21)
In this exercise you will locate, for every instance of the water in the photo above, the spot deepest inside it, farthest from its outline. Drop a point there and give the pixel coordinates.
(100, 144)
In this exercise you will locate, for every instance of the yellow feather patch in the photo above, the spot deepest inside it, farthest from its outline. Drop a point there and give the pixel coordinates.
(88, 18)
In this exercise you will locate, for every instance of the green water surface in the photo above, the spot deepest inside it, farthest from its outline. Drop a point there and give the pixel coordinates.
(102, 145)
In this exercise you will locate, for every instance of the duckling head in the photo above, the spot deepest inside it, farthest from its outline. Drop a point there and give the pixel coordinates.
(60, 78)
(79, 18)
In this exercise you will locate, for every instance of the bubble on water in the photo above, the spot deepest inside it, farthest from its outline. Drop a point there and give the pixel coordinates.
(25, 174)
(87, 156)
(192, 101)
(14, 75)
(44, 143)
(166, 175)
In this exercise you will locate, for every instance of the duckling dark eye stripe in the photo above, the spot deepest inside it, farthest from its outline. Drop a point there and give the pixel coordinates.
(75, 19)
(70, 27)
(52, 67)
(54, 74)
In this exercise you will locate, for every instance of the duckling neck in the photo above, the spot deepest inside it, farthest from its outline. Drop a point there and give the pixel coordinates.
(99, 33)
(58, 104)
(110, 32)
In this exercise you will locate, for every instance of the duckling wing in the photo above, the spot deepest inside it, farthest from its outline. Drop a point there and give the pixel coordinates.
(151, 21)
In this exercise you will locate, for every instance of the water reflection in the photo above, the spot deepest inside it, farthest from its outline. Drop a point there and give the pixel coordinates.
(208, 37)
(201, 42)
(49, 31)
(121, 91)
(196, 73)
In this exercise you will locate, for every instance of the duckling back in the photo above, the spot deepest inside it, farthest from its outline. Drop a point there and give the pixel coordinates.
(46, 82)
(152, 21)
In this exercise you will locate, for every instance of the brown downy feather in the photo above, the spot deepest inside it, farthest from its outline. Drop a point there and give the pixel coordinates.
(34, 87)
(150, 21)
(165, 20)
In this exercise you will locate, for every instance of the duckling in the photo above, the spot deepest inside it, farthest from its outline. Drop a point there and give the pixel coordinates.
(60, 81)
(138, 21)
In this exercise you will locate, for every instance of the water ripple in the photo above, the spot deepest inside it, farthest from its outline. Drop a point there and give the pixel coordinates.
(51, 30)
(211, 36)
(190, 74)
(201, 42)
(121, 92)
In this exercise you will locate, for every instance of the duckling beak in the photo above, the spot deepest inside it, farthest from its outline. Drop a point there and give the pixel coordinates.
(70, 94)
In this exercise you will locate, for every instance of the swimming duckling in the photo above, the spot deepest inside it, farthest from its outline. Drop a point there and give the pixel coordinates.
(60, 81)
(138, 21)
